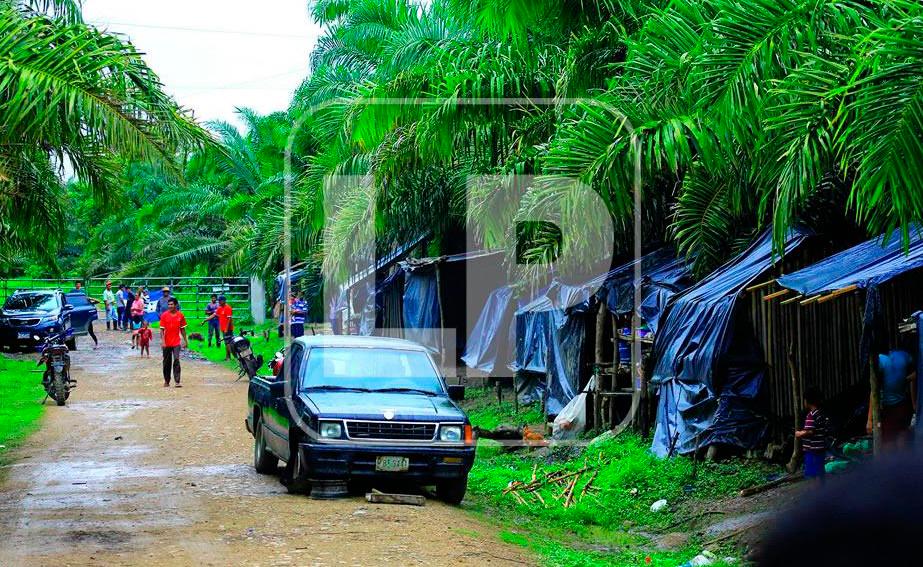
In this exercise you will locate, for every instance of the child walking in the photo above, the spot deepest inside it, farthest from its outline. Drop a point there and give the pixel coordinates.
(814, 436)
(145, 334)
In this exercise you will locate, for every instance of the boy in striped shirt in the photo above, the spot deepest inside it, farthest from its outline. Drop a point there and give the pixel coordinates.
(813, 435)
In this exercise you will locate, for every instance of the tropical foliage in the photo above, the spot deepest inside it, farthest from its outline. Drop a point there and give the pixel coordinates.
(719, 118)
(72, 98)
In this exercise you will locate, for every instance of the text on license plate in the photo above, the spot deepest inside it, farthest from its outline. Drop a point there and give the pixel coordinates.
(392, 464)
(23, 335)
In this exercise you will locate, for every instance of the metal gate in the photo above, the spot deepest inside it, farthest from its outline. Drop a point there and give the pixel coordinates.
(193, 293)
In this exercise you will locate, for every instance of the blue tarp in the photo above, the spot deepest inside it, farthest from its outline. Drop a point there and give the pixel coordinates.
(422, 314)
(421, 309)
(663, 275)
(550, 330)
(869, 264)
(488, 339)
(708, 366)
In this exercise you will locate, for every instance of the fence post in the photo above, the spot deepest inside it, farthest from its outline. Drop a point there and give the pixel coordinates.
(256, 295)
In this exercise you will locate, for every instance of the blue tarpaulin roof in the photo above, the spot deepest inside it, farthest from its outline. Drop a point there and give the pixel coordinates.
(699, 405)
(871, 263)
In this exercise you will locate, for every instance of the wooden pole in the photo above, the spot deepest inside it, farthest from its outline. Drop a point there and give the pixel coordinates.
(759, 286)
(875, 406)
(600, 336)
(772, 296)
(837, 293)
(441, 314)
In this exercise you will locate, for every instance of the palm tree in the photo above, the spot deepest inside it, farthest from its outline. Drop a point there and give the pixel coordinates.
(73, 97)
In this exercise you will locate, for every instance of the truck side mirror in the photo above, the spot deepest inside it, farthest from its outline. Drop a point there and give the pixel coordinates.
(68, 308)
(456, 393)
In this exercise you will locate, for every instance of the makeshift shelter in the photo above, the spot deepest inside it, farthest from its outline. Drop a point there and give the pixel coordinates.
(552, 330)
(878, 281)
(356, 299)
(437, 295)
(709, 366)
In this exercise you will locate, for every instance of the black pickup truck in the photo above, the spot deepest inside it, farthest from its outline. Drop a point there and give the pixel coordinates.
(361, 408)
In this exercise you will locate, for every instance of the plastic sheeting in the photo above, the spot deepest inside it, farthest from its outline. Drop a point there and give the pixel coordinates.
(421, 308)
(662, 276)
(869, 264)
(709, 368)
(550, 330)
(488, 339)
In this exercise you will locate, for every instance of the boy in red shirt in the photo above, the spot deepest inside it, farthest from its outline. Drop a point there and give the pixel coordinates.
(173, 336)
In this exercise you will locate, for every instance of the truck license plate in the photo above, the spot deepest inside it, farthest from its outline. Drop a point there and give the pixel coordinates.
(23, 335)
(392, 464)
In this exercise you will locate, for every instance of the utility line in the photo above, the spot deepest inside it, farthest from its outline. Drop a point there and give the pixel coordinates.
(200, 30)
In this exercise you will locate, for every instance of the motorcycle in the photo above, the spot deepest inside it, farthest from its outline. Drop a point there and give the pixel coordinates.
(56, 379)
(243, 352)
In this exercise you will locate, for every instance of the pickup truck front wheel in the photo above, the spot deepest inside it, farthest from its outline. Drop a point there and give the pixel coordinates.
(296, 477)
(263, 461)
(452, 491)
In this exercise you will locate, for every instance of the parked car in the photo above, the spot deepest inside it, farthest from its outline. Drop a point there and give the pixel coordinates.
(83, 312)
(354, 408)
(28, 316)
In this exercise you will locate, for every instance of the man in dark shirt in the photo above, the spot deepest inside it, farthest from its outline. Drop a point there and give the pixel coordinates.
(212, 321)
(129, 299)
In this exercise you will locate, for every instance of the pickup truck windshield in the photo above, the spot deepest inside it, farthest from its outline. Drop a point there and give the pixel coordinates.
(32, 302)
(374, 369)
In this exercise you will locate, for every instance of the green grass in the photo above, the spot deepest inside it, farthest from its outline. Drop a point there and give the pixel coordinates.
(484, 411)
(20, 392)
(611, 524)
(259, 345)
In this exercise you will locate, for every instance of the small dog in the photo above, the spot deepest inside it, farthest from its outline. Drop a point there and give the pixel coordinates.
(196, 337)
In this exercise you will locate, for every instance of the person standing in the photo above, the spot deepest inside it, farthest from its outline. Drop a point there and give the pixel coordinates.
(225, 315)
(212, 321)
(898, 398)
(137, 311)
(120, 306)
(299, 312)
(814, 436)
(173, 338)
(78, 287)
(164, 302)
(111, 312)
(129, 301)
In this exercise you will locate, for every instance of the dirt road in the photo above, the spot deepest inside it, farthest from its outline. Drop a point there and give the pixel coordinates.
(132, 473)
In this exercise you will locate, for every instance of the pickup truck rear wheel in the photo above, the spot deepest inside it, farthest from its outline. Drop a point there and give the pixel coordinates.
(263, 461)
(452, 491)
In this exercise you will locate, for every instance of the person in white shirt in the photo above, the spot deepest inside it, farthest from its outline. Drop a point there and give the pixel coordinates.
(111, 310)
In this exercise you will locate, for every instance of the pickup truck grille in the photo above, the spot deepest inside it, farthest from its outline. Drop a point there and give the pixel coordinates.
(390, 430)
(24, 322)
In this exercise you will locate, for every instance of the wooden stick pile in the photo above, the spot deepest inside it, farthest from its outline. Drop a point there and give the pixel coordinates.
(562, 483)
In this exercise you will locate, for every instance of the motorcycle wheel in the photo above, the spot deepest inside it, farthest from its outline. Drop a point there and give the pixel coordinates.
(60, 390)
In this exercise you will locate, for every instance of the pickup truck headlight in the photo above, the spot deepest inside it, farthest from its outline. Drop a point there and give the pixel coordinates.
(331, 429)
(450, 433)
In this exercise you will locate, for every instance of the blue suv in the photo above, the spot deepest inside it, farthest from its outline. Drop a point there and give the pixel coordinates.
(27, 317)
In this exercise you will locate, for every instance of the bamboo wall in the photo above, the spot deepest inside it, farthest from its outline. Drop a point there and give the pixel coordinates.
(826, 339)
